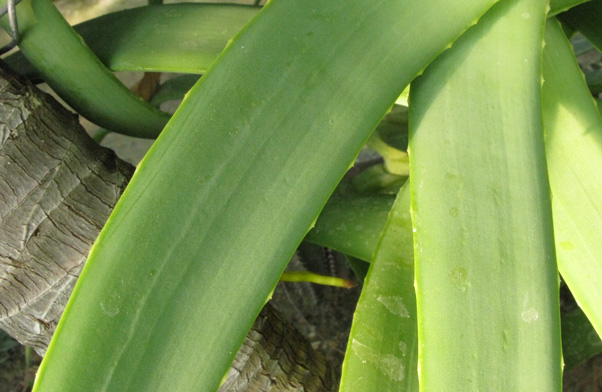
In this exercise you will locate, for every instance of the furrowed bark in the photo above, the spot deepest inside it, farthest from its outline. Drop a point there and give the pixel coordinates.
(57, 189)
(275, 357)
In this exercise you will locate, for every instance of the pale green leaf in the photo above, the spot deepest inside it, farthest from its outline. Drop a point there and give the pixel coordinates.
(486, 276)
(573, 130)
(382, 353)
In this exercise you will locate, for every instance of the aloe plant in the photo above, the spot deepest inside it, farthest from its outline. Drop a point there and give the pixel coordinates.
(462, 289)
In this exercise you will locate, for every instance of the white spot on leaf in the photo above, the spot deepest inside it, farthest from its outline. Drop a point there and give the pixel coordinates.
(394, 305)
(530, 315)
(403, 348)
(109, 309)
(388, 364)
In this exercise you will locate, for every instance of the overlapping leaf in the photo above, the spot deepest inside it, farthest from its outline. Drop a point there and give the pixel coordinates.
(573, 130)
(219, 204)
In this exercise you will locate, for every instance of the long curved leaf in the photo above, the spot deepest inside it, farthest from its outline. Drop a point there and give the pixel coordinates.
(184, 37)
(579, 339)
(574, 151)
(487, 286)
(77, 75)
(229, 189)
(382, 353)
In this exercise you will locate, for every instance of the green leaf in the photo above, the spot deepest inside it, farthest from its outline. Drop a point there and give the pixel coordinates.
(579, 339)
(184, 37)
(587, 19)
(573, 130)
(593, 79)
(359, 267)
(557, 6)
(217, 207)
(382, 353)
(173, 47)
(487, 285)
(395, 161)
(76, 74)
(376, 179)
(174, 89)
(166, 38)
(352, 224)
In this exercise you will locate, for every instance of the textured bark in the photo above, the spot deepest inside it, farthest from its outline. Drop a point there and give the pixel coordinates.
(276, 357)
(57, 189)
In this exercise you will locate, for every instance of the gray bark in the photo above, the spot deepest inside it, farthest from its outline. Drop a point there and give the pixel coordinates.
(57, 189)
(275, 357)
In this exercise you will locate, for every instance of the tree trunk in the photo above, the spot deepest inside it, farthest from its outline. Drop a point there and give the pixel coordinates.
(57, 189)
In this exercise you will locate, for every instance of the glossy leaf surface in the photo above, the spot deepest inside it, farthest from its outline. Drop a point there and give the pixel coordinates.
(573, 130)
(382, 353)
(484, 245)
(219, 204)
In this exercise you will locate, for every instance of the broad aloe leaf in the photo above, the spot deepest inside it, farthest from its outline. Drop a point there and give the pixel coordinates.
(487, 285)
(573, 130)
(219, 204)
(77, 75)
(579, 338)
(382, 352)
